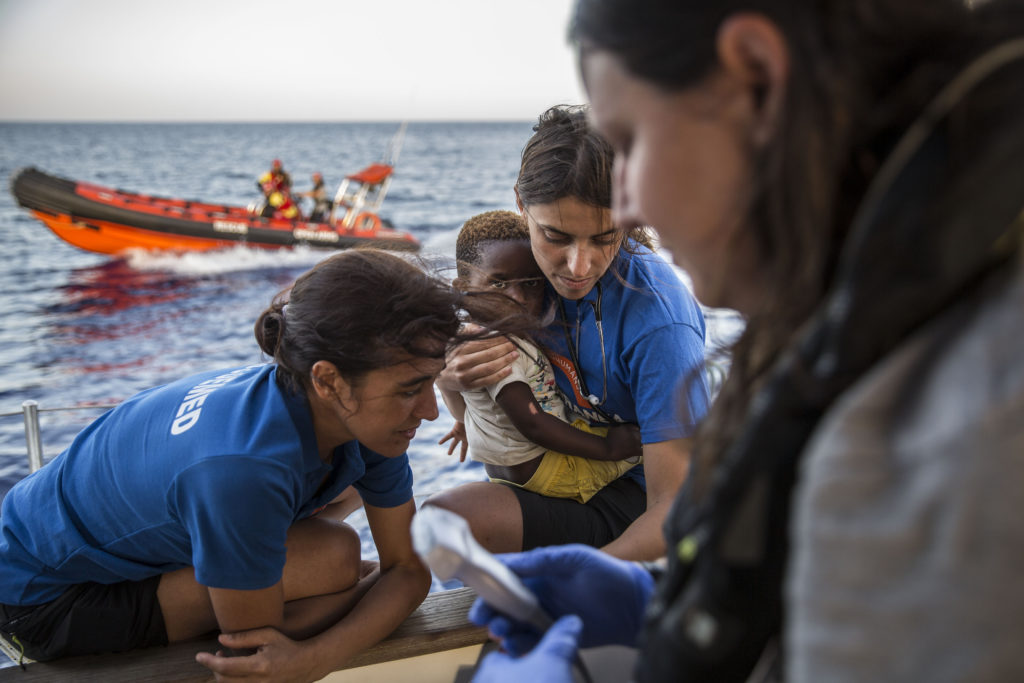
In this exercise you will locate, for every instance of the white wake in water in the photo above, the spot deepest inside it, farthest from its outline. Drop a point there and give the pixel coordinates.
(438, 249)
(229, 260)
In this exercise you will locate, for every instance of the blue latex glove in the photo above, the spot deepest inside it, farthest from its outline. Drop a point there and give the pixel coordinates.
(550, 661)
(607, 593)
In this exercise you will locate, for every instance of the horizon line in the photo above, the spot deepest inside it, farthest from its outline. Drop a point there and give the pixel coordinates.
(263, 121)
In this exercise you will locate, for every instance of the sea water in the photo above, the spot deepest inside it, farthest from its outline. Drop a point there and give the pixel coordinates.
(80, 330)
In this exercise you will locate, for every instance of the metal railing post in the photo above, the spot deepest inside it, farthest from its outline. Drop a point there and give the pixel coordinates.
(35, 445)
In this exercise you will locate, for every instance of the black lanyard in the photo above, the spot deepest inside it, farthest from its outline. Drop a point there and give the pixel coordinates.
(574, 354)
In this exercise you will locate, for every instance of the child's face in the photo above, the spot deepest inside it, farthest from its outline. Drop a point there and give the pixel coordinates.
(509, 268)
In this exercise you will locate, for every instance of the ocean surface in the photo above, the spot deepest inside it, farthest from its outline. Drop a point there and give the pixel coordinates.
(79, 330)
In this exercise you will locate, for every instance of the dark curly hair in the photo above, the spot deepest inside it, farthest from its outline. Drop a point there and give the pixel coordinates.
(490, 226)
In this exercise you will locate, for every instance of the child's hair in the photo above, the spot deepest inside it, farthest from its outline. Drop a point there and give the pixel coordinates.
(482, 306)
(361, 310)
(490, 226)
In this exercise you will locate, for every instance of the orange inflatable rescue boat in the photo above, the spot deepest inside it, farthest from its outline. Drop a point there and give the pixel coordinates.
(111, 221)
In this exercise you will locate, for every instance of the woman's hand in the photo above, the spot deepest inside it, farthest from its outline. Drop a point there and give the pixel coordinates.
(551, 661)
(458, 438)
(566, 579)
(277, 658)
(477, 364)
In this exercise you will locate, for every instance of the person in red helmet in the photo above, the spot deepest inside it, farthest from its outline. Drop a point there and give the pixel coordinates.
(282, 180)
(276, 186)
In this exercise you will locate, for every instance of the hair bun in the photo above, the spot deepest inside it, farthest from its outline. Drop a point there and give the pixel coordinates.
(571, 115)
(269, 328)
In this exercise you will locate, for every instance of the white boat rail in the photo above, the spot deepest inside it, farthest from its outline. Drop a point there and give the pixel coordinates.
(716, 371)
(360, 204)
(33, 440)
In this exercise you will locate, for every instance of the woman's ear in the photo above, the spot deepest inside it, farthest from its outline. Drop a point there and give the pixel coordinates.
(329, 385)
(323, 374)
(326, 380)
(753, 52)
(519, 202)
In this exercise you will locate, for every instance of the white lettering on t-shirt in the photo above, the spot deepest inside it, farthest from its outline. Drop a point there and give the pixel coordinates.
(190, 408)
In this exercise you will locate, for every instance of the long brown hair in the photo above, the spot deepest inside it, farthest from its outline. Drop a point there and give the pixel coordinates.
(861, 72)
(361, 310)
(566, 158)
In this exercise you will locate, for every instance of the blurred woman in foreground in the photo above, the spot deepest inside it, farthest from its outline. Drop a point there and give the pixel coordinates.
(849, 174)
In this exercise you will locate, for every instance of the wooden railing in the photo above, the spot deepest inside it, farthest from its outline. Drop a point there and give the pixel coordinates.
(437, 625)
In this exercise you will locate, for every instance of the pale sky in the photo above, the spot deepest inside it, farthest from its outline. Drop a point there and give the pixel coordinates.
(291, 60)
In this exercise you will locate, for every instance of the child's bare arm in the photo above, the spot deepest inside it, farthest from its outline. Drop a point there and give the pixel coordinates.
(456, 404)
(518, 402)
(457, 434)
(457, 407)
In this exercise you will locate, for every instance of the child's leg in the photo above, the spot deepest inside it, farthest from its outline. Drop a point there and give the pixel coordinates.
(560, 475)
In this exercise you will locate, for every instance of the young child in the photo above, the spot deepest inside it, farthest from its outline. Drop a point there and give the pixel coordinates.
(518, 427)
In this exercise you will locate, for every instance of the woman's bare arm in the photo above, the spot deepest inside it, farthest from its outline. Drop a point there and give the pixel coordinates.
(402, 585)
(666, 465)
(238, 610)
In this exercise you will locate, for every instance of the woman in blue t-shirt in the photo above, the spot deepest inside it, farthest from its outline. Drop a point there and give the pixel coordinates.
(194, 506)
(627, 335)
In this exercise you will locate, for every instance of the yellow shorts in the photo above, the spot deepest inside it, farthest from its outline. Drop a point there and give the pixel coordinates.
(569, 476)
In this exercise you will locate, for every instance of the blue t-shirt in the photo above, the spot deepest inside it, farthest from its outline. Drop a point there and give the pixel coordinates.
(653, 350)
(209, 472)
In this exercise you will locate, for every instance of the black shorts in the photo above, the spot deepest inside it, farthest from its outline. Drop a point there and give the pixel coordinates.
(599, 521)
(87, 619)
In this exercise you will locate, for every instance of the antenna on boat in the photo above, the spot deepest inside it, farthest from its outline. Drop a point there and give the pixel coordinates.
(395, 145)
(362, 203)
